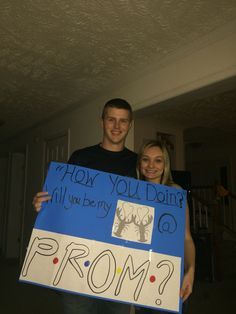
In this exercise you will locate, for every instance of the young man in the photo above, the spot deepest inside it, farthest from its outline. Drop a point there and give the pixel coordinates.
(112, 156)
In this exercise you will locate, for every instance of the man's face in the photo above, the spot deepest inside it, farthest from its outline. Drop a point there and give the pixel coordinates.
(116, 125)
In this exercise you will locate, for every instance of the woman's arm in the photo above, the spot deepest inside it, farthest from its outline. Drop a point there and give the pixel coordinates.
(189, 261)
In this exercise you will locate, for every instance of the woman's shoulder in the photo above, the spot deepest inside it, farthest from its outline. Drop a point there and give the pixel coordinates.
(175, 185)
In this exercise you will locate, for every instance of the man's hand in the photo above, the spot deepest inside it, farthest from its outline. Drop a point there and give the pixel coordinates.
(38, 199)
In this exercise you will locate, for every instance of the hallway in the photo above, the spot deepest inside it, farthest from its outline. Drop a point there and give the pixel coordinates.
(208, 297)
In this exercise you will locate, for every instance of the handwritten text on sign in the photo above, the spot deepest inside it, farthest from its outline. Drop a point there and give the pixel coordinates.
(108, 236)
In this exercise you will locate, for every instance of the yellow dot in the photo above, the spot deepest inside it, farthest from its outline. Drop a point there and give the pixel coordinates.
(119, 269)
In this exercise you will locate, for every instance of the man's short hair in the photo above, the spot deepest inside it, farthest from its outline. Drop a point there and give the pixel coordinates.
(118, 103)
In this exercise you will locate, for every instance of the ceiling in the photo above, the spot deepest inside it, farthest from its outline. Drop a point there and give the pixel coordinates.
(58, 54)
(205, 115)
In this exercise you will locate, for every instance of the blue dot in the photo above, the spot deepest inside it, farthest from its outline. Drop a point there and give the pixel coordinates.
(87, 263)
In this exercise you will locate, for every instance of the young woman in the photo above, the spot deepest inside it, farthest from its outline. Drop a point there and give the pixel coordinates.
(154, 166)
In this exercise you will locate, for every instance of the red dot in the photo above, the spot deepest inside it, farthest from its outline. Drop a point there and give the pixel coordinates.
(55, 260)
(152, 278)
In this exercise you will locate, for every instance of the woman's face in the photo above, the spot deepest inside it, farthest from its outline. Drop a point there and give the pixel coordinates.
(152, 164)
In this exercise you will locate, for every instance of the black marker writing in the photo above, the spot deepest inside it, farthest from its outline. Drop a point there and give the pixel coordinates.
(77, 175)
(164, 197)
(124, 187)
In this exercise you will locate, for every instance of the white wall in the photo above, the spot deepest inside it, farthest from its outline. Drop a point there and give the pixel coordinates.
(146, 129)
(204, 163)
(212, 155)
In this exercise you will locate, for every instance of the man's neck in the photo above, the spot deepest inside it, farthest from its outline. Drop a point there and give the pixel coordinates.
(112, 147)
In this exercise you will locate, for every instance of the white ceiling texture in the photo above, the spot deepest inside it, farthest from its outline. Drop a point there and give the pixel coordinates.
(55, 54)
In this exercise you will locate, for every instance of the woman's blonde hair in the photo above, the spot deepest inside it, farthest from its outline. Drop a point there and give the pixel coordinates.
(166, 177)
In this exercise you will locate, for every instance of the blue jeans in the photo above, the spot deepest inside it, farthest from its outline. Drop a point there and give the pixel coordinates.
(77, 304)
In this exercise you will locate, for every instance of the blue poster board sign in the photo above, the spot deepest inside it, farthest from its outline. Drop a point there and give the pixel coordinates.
(107, 236)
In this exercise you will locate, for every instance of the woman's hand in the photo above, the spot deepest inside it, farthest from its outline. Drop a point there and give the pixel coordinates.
(38, 199)
(187, 285)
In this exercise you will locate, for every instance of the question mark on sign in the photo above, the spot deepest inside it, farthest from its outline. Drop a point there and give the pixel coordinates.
(170, 267)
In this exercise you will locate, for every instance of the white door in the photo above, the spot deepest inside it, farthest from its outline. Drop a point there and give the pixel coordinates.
(14, 206)
(3, 186)
(56, 149)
